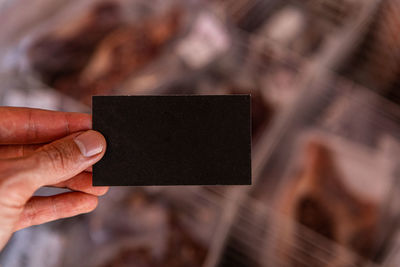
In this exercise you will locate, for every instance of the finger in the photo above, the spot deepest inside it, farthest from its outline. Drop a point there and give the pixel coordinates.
(32, 126)
(56, 162)
(40, 210)
(17, 151)
(83, 182)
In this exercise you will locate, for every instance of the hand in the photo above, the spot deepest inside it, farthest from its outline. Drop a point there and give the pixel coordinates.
(45, 148)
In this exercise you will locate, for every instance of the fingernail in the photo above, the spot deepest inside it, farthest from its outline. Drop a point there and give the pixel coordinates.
(89, 143)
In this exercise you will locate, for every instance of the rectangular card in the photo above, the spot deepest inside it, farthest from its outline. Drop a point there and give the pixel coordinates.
(173, 140)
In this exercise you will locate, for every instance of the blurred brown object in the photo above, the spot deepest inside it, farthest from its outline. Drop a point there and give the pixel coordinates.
(182, 251)
(132, 257)
(98, 52)
(377, 62)
(148, 229)
(65, 52)
(336, 12)
(318, 199)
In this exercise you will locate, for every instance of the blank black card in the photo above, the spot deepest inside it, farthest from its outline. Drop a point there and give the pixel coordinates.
(173, 140)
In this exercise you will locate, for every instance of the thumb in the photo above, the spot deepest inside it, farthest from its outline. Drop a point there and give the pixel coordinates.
(61, 159)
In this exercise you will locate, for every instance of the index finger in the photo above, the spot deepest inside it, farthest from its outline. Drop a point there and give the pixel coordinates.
(34, 126)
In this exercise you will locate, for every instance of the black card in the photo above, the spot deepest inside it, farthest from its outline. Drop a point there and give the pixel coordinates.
(173, 140)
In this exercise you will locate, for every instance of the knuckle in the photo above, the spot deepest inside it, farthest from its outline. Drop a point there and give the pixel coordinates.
(55, 156)
(32, 132)
(58, 156)
(31, 212)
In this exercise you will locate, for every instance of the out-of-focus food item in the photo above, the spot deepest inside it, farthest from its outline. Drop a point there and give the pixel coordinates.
(126, 50)
(384, 57)
(66, 51)
(132, 257)
(318, 199)
(303, 28)
(95, 54)
(147, 229)
(181, 250)
(249, 15)
(286, 28)
(335, 12)
(376, 64)
(207, 40)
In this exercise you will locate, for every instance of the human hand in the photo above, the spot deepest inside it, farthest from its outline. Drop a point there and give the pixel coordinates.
(45, 148)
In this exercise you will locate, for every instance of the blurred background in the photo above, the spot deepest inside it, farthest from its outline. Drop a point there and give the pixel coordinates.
(324, 76)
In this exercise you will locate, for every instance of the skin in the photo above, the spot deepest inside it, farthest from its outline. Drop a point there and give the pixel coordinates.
(37, 149)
